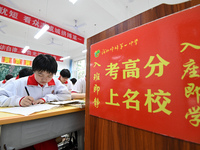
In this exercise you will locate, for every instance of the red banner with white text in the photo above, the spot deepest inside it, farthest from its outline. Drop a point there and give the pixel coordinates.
(18, 50)
(35, 22)
(149, 77)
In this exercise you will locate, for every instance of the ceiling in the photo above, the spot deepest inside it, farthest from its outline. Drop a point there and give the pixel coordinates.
(92, 16)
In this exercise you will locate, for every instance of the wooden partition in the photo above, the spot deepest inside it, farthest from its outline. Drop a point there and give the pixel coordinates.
(101, 134)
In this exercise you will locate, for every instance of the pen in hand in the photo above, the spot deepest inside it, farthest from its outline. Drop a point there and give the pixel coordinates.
(27, 92)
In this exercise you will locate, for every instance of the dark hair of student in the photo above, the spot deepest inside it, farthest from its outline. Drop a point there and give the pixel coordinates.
(25, 72)
(73, 80)
(8, 76)
(45, 62)
(65, 73)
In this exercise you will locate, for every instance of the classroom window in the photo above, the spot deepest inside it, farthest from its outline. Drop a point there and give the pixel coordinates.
(80, 68)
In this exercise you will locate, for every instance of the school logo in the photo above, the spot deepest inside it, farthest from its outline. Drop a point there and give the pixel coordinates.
(96, 53)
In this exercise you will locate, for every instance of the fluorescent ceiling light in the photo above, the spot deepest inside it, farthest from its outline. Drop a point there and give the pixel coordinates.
(73, 1)
(42, 31)
(25, 49)
(84, 51)
(65, 58)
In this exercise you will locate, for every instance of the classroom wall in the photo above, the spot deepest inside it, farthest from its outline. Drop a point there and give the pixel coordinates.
(101, 134)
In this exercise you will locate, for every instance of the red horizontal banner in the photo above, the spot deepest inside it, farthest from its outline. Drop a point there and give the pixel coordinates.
(149, 77)
(35, 22)
(18, 50)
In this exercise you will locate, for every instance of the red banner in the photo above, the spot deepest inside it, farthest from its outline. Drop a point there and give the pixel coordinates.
(35, 22)
(18, 50)
(149, 77)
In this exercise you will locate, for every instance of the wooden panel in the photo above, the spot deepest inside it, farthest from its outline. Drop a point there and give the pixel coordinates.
(101, 134)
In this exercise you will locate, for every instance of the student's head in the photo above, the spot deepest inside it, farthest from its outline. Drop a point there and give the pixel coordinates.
(8, 77)
(25, 72)
(64, 75)
(73, 80)
(44, 67)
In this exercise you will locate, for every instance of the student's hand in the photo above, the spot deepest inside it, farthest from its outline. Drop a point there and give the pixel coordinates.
(27, 101)
(39, 101)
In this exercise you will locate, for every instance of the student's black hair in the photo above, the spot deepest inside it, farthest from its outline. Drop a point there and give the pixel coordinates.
(65, 73)
(8, 76)
(73, 80)
(45, 62)
(25, 72)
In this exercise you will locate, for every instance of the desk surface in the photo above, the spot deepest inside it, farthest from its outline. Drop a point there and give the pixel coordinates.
(8, 118)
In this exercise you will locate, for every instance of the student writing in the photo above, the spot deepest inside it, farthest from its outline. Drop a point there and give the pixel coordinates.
(64, 78)
(41, 85)
(79, 89)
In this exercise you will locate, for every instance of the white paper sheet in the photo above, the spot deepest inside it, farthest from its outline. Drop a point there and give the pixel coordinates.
(28, 110)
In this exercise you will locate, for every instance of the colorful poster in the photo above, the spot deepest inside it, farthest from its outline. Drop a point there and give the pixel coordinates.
(27, 62)
(17, 61)
(149, 77)
(6, 60)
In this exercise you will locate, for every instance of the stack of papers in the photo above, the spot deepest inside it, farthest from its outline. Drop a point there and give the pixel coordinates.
(68, 102)
(41, 107)
(75, 103)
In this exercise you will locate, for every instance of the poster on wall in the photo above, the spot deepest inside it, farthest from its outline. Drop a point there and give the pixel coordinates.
(149, 76)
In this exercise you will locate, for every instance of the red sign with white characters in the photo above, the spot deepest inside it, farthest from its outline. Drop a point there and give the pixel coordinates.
(18, 50)
(149, 77)
(35, 22)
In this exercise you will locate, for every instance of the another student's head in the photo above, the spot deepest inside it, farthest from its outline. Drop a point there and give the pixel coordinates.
(8, 77)
(64, 75)
(25, 72)
(73, 80)
(44, 67)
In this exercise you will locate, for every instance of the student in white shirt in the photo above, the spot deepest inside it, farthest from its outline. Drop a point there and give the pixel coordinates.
(41, 87)
(7, 78)
(22, 73)
(64, 78)
(79, 89)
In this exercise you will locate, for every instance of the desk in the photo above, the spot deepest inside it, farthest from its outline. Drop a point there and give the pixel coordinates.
(19, 131)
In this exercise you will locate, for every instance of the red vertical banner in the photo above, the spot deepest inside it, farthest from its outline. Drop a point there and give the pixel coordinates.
(149, 77)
